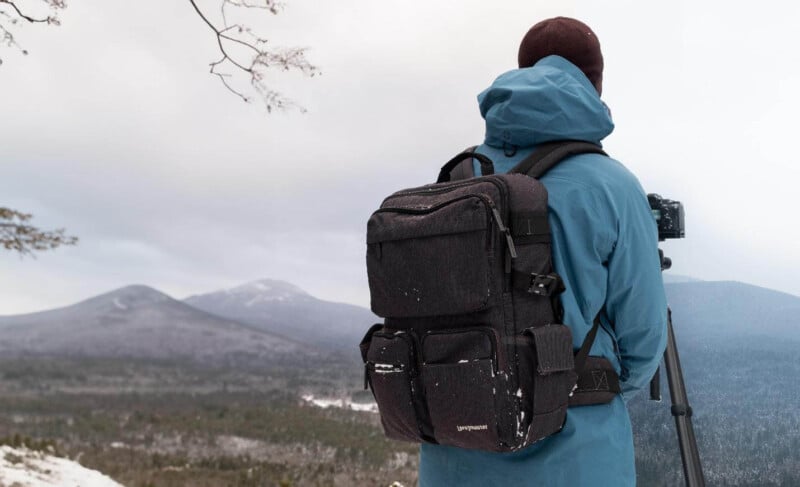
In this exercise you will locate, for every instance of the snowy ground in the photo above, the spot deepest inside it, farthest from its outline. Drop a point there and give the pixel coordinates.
(369, 407)
(20, 467)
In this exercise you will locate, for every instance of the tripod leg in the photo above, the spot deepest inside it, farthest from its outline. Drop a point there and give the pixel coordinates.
(692, 470)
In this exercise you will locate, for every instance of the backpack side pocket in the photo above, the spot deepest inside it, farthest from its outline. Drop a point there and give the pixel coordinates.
(390, 372)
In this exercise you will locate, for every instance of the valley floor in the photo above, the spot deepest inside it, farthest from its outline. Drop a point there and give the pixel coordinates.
(171, 426)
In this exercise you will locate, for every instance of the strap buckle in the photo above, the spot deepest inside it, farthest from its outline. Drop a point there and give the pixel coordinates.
(546, 284)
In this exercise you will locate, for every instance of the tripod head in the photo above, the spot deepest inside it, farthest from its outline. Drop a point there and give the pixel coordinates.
(671, 223)
(669, 216)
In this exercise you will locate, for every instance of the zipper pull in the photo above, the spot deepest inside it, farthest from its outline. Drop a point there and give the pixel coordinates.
(499, 219)
(512, 249)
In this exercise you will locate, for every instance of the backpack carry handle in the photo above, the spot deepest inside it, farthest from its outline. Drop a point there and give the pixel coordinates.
(487, 166)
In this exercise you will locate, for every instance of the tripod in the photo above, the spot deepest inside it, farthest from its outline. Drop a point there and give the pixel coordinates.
(692, 470)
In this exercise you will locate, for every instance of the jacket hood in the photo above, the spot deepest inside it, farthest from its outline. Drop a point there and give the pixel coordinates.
(552, 100)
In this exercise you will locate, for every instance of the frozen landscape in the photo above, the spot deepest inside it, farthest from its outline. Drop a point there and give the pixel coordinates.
(146, 388)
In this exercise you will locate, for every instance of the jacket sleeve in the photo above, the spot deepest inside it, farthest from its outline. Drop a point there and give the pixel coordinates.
(635, 301)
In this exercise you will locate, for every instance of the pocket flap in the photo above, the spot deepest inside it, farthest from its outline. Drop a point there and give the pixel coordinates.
(553, 348)
(461, 216)
(391, 348)
(457, 346)
(364, 345)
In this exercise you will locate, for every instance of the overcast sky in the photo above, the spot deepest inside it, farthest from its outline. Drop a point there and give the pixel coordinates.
(112, 128)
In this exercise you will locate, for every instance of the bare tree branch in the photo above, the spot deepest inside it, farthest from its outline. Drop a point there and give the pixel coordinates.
(16, 234)
(22, 15)
(242, 51)
(11, 14)
(251, 55)
(268, 5)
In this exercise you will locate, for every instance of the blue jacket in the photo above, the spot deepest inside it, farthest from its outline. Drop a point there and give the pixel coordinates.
(605, 247)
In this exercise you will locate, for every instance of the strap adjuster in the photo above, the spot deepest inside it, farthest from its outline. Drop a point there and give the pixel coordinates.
(546, 284)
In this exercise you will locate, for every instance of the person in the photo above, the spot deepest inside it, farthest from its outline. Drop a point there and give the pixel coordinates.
(605, 247)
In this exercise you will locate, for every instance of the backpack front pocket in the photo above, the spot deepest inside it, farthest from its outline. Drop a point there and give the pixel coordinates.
(459, 378)
(431, 261)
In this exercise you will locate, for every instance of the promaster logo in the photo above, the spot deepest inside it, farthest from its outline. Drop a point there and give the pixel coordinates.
(472, 427)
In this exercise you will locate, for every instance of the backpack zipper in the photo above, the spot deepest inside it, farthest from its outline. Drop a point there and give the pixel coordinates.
(502, 188)
(492, 213)
(432, 190)
(430, 209)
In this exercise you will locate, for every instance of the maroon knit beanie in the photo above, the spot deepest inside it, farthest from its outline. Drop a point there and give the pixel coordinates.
(568, 38)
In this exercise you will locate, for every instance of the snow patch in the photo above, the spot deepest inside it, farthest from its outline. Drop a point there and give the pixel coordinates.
(260, 286)
(26, 468)
(387, 368)
(324, 403)
(367, 407)
(260, 298)
(119, 304)
(267, 290)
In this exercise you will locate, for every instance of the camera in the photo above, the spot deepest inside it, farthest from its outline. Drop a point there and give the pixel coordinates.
(669, 217)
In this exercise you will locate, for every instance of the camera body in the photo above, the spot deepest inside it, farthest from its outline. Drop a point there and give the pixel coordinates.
(669, 217)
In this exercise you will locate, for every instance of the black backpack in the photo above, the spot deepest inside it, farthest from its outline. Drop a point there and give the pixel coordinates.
(472, 352)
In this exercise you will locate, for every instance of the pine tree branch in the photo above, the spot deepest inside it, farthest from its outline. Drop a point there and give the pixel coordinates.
(19, 236)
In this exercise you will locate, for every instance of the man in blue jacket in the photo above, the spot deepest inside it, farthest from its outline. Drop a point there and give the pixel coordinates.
(605, 247)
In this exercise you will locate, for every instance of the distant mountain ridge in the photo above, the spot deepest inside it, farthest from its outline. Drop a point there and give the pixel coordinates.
(265, 319)
(731, 308)
(283, 308)
(670, 278)
(256, 321)
(138, 322)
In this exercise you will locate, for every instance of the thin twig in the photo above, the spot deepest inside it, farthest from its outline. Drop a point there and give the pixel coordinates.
(22, 15)
(16, 14)
(262, 59)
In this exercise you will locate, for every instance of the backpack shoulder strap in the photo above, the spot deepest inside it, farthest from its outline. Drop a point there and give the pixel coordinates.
(545, 157)
(462, 169)
(548, 155)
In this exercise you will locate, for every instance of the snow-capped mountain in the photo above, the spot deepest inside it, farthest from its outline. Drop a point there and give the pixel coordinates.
(265, 291)
(284, 309)
(138, 322)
